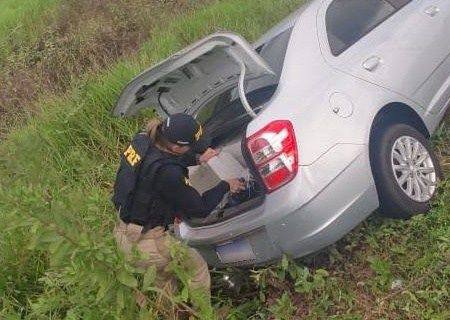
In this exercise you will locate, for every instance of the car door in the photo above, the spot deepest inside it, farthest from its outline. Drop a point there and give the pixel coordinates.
(396, 44)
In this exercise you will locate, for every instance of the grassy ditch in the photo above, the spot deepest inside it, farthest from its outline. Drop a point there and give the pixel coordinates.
(47, 45)
(21, 21)
(58, 258)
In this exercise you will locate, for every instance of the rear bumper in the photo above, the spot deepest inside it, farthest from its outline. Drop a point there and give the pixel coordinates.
(322, 218)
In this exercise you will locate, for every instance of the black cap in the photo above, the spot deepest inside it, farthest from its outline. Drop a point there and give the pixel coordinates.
(182, 129)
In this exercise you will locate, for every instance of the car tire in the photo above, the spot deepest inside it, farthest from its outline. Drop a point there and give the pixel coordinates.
(405, 169)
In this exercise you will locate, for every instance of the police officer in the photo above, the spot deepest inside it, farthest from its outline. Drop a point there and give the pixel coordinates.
(152, 190)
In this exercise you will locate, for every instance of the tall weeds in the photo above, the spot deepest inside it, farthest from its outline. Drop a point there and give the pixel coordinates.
(58, 258)
(48, 44)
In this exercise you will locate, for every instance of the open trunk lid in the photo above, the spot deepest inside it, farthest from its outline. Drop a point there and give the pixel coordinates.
(190, 78)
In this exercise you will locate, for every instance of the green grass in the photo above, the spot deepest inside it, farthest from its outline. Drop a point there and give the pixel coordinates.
(21, 21)
(58, 258)
(58, 255)
(47, 45)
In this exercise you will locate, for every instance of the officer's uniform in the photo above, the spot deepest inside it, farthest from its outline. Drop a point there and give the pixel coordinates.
(152, 189)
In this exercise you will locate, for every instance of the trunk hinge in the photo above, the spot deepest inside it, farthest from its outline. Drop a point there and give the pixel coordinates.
(241, 86)
(242, 95)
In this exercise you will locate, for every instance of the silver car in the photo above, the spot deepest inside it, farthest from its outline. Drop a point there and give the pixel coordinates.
(327, 116)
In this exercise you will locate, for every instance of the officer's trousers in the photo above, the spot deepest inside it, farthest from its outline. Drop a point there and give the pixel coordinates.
(154, 245)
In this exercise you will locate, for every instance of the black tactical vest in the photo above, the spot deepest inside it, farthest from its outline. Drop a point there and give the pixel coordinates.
(134, 193)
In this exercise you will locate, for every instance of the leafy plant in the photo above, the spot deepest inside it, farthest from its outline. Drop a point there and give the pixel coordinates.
(382, 269)
(283, 309)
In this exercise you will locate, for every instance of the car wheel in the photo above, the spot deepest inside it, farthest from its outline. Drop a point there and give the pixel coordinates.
(405, 169)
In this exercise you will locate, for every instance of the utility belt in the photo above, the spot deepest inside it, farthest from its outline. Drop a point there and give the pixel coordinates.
(147, 226)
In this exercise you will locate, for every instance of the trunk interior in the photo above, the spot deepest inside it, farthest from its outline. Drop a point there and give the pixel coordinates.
(225, 120)
(225, 125)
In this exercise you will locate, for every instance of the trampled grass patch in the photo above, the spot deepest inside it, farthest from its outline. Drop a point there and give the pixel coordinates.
(21, 22)
(47, 45)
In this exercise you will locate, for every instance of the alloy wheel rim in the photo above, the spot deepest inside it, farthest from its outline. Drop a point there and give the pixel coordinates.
(413, 169)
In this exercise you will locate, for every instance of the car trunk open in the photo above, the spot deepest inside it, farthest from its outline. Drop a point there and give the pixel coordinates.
(225, 125)
(203, 80)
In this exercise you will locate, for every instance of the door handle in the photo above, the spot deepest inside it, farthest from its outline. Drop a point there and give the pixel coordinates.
(432, 10)
(372, 63)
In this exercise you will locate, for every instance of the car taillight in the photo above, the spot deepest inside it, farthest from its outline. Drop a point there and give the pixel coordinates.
(274, 153)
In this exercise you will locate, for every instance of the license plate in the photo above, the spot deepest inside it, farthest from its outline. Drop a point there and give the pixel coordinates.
(235, 251)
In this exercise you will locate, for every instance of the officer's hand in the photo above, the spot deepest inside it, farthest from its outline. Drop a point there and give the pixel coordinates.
(208, 154)
(236, 185)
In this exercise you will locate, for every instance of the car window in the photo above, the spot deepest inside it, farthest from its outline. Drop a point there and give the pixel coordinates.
(347, 21)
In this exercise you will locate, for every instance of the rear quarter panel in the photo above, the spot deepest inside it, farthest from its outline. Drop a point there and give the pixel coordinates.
(306, 86)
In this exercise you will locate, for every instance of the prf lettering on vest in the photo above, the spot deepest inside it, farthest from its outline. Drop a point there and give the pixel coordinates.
(199, 133)
(132, 156)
